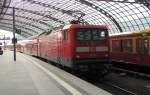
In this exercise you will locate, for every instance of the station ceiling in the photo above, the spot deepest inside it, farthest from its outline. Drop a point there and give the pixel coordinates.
(36, 16)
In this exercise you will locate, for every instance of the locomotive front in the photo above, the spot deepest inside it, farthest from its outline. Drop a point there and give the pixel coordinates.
(91, 48)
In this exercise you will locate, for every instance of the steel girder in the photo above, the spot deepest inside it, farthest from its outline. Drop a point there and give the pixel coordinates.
(24, 33)
(18, 26)
(32, 19)
(24, 23)
(3, 3)
(68, 12)
(38, 13)
(144, 2)
(101, 11)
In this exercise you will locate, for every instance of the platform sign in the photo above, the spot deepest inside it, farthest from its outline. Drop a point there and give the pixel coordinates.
(14, 40)
(18, 31)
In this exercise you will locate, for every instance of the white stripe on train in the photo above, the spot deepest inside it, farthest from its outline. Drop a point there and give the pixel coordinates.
(87, 49)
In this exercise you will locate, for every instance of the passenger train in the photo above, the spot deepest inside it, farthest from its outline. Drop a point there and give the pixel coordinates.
(80, 47)
(131, 48)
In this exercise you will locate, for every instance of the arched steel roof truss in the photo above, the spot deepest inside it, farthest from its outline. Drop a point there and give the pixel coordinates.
(119, 15)
(101, 11)
(24, 33)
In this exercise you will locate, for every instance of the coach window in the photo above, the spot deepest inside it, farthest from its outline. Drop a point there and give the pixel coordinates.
(139, 46)
(116, 45)
(142, 46)
(146, 45)
(65, 35)
(127, 45)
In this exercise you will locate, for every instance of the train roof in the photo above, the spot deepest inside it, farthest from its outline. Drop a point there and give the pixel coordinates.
(32, 37)
(23, 42)
(70, 26)
(124, 33)
(84, 25)
(133, 32)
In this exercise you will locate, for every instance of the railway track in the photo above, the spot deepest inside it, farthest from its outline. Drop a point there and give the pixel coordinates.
(110, 85)
(115, 88)
(136, 74)
(128, 92)
(127, 84)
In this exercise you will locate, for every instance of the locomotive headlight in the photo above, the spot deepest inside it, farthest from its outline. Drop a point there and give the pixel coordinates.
(78, 56)
(106, 55)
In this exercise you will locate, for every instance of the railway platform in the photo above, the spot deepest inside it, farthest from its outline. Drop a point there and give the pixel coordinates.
(31, 76)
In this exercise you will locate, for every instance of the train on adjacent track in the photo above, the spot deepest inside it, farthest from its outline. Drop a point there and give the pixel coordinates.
(79, 47)
(131, 48)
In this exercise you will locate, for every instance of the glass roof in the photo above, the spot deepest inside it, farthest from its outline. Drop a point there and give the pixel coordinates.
(35, 16)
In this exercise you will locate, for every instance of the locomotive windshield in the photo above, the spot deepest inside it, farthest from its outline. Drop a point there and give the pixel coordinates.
(90, 34)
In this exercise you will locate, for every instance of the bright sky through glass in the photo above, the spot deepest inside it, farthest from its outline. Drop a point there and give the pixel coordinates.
(6, 33)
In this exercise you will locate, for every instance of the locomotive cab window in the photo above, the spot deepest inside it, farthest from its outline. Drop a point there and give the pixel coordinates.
(65, 35)
(98, 35)
(91, 34)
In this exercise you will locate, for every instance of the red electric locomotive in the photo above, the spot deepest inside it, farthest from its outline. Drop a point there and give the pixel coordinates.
(81, 47)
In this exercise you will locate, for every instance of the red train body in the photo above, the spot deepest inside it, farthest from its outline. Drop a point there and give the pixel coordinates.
(88, 47)
(77, 46)
(10, 47)
(131, 48)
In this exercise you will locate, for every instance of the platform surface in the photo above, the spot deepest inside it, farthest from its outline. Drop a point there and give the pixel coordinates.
(31, 76)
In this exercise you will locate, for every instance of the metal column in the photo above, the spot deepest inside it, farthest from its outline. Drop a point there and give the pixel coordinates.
(14, 30)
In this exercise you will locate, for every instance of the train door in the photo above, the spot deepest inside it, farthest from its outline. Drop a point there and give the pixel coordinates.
(65, 49)
(35, 48)
(58, 50)
(142, 49)
(37, 53)
(39, 49)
